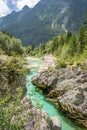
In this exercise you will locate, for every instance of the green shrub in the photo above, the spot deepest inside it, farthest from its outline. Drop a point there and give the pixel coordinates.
(61, 64)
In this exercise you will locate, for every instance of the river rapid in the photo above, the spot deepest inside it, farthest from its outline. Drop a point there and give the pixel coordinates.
(38, 99)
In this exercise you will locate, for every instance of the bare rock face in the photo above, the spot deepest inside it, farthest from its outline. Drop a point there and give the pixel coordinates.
(74, 102)
(55, 124)
(37, 120)
(33, 118)
(69, 87)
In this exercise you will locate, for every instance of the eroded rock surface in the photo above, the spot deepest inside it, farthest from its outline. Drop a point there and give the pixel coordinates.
(69, 87)
(33, 118)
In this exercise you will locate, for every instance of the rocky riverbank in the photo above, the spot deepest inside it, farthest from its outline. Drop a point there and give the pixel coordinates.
(20, 114)
(33, 118)
(68, 86)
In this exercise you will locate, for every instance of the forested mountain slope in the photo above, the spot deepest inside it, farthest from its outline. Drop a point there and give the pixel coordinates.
(45, 20)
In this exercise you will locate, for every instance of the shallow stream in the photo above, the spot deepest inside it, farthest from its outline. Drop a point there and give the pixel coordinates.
(38, 99)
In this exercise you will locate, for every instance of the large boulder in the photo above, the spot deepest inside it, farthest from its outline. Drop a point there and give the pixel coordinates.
(68, 86)
(60, 81)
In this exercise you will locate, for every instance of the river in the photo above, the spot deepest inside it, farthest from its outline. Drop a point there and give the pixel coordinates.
(38, 99)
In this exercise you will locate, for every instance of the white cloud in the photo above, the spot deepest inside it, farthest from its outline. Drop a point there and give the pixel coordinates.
(6, 6)
(31, 3)
(4, 10)
(10, 1)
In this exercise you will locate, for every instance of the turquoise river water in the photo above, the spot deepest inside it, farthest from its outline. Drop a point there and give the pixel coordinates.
(38, 98)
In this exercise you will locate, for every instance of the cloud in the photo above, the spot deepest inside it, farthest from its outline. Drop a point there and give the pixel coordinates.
(11, 4)
(31, 3)
(19, 4)
(4, 10)
(7, 6)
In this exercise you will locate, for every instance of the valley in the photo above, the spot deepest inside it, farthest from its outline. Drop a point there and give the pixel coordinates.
(43, 65)
(46, 20)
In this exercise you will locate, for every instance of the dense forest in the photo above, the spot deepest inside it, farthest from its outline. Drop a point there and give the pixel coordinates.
(69, 47)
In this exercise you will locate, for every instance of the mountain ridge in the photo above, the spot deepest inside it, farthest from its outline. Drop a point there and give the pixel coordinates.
(46, 20)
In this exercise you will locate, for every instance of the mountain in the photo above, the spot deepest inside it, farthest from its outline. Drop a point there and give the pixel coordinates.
(46, 20)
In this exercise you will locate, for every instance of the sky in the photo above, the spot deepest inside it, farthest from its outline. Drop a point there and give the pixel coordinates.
(7, 6)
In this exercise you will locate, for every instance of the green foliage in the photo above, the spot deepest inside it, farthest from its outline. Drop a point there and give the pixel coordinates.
(81, 40)
(15, 65)
(85, 53)
(10, 45)
(61, 64)
(38, 104)
(83, 37)
(8, 109)
(10, 94)
(67, 48)
(2, 52)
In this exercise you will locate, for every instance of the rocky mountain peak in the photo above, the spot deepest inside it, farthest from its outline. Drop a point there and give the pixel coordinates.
(46, 20)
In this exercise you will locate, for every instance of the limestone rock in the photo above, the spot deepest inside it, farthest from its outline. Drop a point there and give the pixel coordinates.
(33, 118)
(55, 124)
(74, 102)
(68, 86)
